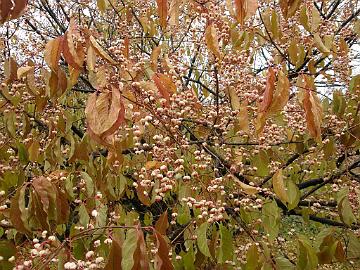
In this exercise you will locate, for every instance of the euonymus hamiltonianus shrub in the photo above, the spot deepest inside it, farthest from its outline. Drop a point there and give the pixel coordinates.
(179, 134)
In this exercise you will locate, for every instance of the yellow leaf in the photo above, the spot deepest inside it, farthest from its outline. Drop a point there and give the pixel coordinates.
(100, 51)
(234, 99)
(152, 164)
(102, 5)
(316, 19)
(52, 53)
(279, 186)
(174, 12)
(319, 44)
(244, 117)
(250, 190)
(211, 40)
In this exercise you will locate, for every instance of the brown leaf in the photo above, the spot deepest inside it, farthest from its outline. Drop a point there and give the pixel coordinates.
(162, 224)
(244, 9)
(105, 112)
(90, 59)
(313, 110)
(165, 85)
(115, 255)
(18, 213)
(211, 40)
(141, 260)
(154, 58)
(57, 83)
(10, 10)
(269, 91)
(162, 261)
(62, 206)
(52, 53)
(281, 94)
(234, 99)
(162, 6)
(144, 199)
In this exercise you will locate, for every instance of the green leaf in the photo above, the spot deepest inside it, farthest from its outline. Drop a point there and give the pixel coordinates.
(283, 263)
(23, 154)
(202, 239)
(226, 249)
(129, 248)
(345, 211)
(271, 219)
(89, 184)
(279, 186)
(293, 193)
(84, 217)
(252, 258)
(307, 259)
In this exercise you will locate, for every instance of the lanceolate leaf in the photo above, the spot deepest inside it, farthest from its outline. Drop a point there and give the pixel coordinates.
(226, 249)
(100, 51)
(165, 85)
(244, 9)
(128, 250)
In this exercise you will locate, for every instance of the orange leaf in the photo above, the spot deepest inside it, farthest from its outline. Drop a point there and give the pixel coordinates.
(141, 260)
(281, 95)
(72, 50)
(174, 12)
(165, 85)
(162, 224)
(52, 53)
(163, 12)
(313, 110)
(269, 91)
(211, 40)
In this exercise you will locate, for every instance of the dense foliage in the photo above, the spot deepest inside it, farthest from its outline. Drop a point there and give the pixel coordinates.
(179, 134)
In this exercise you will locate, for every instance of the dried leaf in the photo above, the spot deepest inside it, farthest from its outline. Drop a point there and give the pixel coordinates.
(211, 40)
(174, 12)
(281, 94)
(243, 117)
(234, 99)
(154, 58)
(10, 70)
(73, 50)
(245, 9)
(18, 212)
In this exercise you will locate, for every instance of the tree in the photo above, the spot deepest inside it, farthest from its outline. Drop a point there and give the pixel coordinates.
(179, 134)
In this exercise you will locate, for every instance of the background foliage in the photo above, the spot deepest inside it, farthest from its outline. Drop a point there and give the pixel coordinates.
(179, 134)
